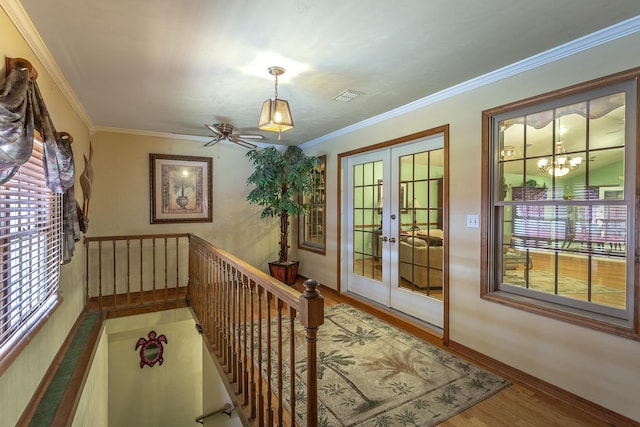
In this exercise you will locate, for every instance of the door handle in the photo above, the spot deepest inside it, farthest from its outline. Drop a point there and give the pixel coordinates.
(384, 238)
(392, 240)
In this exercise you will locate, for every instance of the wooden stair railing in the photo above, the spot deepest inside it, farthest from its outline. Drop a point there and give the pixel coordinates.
(246, 317)
(125, 272)
(242, 311)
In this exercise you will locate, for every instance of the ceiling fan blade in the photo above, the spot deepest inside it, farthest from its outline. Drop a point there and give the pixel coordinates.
(214, 141)
(245, 144)
(215, 130)
(247, 136)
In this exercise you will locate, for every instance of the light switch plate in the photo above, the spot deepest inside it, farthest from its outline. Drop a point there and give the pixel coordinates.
(473, 221)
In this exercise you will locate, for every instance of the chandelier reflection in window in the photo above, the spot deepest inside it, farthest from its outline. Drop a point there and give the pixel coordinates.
(561, 164)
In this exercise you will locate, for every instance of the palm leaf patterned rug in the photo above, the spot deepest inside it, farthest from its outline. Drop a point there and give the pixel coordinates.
(373, 374)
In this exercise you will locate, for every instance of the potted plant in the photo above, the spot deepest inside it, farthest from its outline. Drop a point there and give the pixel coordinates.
(280, 178)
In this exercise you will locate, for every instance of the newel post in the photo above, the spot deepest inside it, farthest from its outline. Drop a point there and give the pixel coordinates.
(311, 317)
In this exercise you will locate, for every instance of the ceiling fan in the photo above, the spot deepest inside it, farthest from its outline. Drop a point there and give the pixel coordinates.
(225, 131)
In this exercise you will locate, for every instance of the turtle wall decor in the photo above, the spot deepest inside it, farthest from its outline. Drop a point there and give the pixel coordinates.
(151, 349)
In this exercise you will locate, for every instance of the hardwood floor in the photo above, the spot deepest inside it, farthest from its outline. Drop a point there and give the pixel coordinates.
(518, 405)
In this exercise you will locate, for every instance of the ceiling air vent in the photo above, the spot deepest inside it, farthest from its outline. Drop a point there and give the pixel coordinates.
(347, 95)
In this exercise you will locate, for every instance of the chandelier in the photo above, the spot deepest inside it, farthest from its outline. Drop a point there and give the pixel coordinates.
(561, 164)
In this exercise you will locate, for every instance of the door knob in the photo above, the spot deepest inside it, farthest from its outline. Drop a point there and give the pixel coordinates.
(384, 238)
(392, 240)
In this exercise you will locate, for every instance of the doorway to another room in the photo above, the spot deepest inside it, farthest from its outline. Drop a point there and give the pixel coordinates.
(394, 223)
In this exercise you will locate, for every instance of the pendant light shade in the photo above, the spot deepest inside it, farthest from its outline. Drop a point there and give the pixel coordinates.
(276, 114)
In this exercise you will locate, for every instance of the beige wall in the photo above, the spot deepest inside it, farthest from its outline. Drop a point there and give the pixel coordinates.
(597, 366)
(120, 199)
(19, 382)
(164, 395)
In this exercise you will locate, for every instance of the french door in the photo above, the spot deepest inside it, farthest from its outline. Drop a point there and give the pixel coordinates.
(394, 228)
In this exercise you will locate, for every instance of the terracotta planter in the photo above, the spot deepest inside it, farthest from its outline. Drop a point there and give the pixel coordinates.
(286, 272)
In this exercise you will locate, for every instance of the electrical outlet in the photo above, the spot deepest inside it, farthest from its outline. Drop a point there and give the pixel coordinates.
(473, 221)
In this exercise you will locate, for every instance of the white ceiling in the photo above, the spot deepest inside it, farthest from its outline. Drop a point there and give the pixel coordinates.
(171, 66)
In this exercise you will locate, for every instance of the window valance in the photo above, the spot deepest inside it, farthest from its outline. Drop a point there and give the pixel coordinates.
(22, 113)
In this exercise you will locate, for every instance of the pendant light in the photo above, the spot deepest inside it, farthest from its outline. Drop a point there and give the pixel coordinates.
(276, 115)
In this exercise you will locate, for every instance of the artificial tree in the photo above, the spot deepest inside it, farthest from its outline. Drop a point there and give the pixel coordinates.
(280, 178)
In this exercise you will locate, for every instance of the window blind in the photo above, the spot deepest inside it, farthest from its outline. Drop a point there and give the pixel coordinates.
(30, 250)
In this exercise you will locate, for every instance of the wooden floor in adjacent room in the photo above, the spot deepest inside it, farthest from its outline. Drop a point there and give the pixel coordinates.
(518, 405)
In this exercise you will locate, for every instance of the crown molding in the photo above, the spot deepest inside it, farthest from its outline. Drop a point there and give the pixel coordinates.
(179, 136)
(25, 27)
(154, 134)
(589, 41)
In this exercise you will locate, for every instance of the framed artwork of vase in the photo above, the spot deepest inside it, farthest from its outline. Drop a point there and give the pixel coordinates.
(181, 188)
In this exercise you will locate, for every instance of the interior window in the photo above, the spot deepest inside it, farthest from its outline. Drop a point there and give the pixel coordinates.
(562, 186)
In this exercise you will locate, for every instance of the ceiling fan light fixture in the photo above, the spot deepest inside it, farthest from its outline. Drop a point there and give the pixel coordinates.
(275, 115)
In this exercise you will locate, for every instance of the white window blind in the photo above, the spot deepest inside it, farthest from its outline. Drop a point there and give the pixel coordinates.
(30, 250)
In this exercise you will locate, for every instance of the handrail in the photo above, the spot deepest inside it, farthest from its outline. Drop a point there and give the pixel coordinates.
(226, 409)
(240, 310)
(247, 318)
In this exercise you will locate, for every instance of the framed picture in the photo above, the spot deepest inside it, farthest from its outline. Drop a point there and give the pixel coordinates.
(611, 193)
(181, 188)
(402, 197)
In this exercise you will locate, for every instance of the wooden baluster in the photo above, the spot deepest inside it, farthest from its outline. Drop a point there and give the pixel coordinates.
(115, 274)
(227, 318)
(129, 272)
(269, 393)
(218, 311)
(237, 324)
(216, 295)
(279, 338)
(87, 295)
(260, 403)
(233, 327)
(153, 263)
(141, 272)
(292, 368)
(177, 264)
(100, 275)
(245, 368)
(311, 317)
(252, 371)
(223, 314)
(166, 271)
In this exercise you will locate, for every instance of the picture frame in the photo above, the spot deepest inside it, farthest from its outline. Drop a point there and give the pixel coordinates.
(611, 192)
(402, 197)
(312, 234)
(180, 189)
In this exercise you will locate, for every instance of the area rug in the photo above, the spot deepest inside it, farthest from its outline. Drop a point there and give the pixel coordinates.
(373, 374)
(545, 282)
